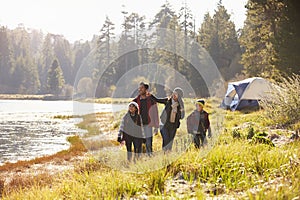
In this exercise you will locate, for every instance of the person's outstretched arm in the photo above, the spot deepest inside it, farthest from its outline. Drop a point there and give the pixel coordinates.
(159, 100)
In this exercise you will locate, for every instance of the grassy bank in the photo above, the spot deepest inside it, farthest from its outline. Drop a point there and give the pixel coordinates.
(108, 100)
(21, 97)
(243, 164)
(21, 174)
(76, 148)
(47, 97)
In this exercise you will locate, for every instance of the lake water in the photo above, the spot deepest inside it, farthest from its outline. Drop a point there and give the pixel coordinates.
(28, 128)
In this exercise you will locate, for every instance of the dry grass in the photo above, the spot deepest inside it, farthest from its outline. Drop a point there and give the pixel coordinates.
(66, 116)
(97, 123)
(108, 100)
(284, 107)
(22, 96)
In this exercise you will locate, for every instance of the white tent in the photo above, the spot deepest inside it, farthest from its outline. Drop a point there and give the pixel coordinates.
(246, 93)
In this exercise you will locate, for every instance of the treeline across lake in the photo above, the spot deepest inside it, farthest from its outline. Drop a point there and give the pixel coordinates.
(268, 46)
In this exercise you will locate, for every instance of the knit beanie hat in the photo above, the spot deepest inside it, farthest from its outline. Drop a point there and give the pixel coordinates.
(179, 91)
(200, 102)
(135, 104)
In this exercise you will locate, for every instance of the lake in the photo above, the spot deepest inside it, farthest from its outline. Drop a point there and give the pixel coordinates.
(28, 128)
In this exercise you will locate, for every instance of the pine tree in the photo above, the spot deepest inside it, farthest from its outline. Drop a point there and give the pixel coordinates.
(25, 75)
(47, 57)
(187, 25)
(168, 45)
(206, 32)
(161, 22)
(80, 53)
(55, 80)
(62, 51)
(258, 37)
(198, 61)
(218, 36)
(104, 55)
(137, 25)
(5, 61)
(166, 26)
(104, 42)
(287, 39)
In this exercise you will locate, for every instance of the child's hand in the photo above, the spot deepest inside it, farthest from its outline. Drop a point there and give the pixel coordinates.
(119, 139)
(122, 143)
(209, 133)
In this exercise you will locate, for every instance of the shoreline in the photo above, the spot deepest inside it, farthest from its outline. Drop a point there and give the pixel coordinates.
(21, 97)
(14, 175)
(76, 148)
(46, 97)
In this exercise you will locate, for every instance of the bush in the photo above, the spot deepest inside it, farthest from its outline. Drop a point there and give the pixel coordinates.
(250, 133)
(263, 134)
(284, 107)
(259, 139)
(236, 133)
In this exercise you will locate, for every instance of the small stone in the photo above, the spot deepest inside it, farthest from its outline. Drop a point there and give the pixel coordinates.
(179, 176)
(182, 182)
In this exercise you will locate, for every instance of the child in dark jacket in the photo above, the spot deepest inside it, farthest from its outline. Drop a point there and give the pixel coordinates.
(131, 131)
(198, 124)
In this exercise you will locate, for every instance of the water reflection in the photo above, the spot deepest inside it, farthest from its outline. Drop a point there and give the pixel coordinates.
(28, 128)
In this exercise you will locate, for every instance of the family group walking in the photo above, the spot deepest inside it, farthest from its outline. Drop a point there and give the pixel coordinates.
(141, 121)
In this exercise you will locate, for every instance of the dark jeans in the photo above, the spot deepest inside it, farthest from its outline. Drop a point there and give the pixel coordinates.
(149, 139)
(137, 145)
(199, 139)
(168, 135)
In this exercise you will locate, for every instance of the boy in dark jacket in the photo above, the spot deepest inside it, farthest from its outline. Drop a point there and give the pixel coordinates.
(131, 131)
(198, 124)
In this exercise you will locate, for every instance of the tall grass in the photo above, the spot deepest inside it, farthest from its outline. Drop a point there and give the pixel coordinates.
(108, 100)
(236, 167)
(284, 107)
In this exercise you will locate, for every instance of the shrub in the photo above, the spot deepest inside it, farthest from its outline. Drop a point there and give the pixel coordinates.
(250, 133)
(260, 138)
(284, 107)
(262, 134)
(236, 133)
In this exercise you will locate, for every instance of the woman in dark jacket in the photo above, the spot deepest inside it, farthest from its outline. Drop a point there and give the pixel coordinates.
(170, 117)
(131, 131)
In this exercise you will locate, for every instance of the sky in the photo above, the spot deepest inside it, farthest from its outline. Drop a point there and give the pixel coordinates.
(81, 19)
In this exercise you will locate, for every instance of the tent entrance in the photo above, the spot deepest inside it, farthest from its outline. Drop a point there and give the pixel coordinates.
(246, 94)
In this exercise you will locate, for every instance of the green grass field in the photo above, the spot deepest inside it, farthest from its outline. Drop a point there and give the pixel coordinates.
(239, 162)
